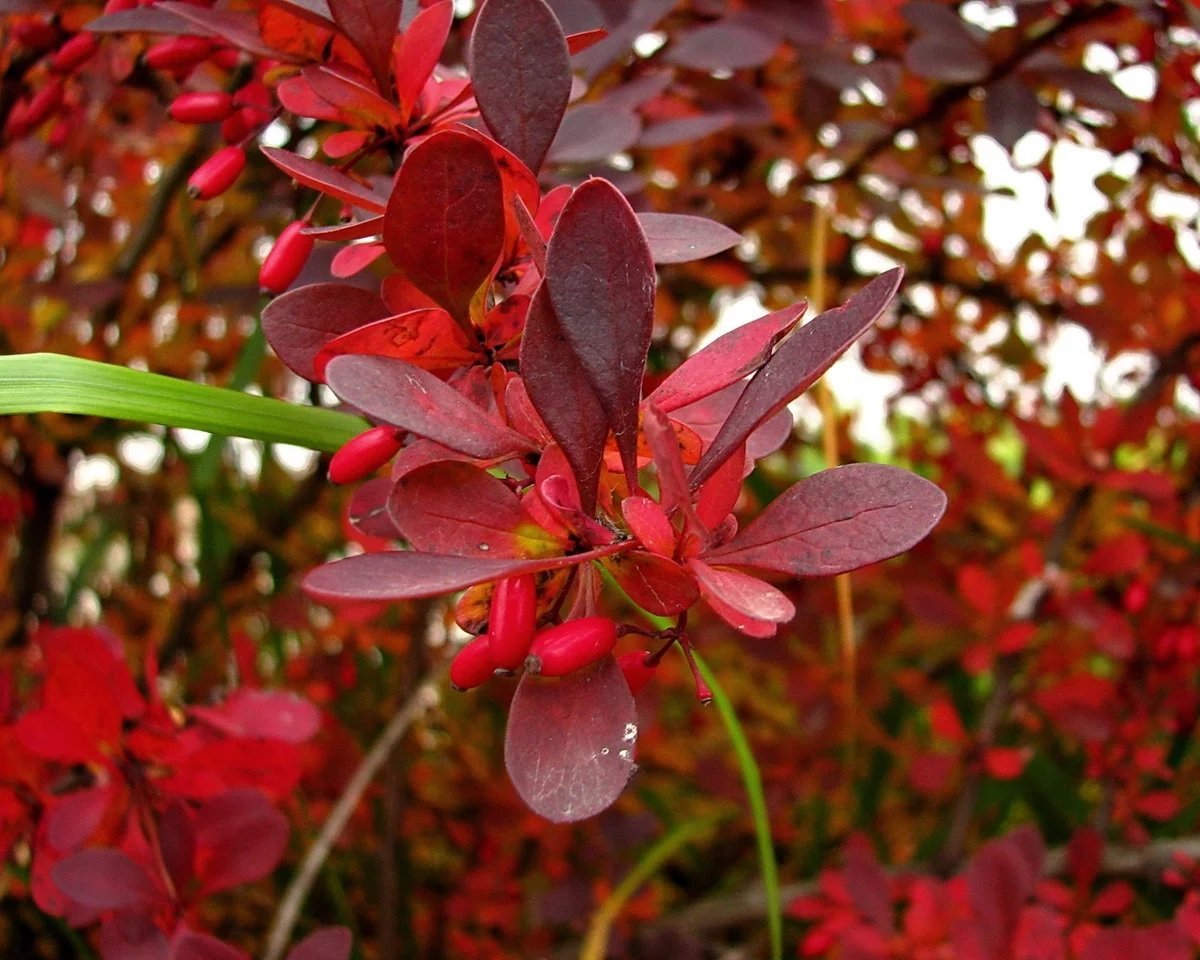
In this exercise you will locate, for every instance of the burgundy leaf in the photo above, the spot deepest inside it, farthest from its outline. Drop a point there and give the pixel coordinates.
(947, 61)
(724, 45)
(69, 821)
(190, 945)
(795, 366)
(429, 339)
(132, 936)
(868, 884)
(1012, 110)
(177, 840)
(522, 75)
(570, 742)
(147, 20)
(409, 575)
(328, 943)
(368, 509)
(600, 276)
(444, 225)
(352, 95)
(678, 238)
(325, 179)
(106, 879)
(371, 26)
(240, 838)
(1089, 88)
(354, 230)
(726, 360)
(461, 509)
(655, 583)
(667, 133)
(664, 448)
(594, 131)
(265, 714)
(746, 603)
(999, 880)
(237, 28)
(837, 520)
(562, 396)
(639, 17)
(405, 396)
(419, 52)
(299, 323)
(1161, 941)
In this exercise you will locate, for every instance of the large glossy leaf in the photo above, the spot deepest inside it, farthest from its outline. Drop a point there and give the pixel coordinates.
(522, 75)
(403, 395)
(679, 238)
(726, 360)
(837, 520)
(325, 179)
(429, 339)
(299, 323)
(459, 508)
(795, 366)
(409, 575)
(570, 744)
(371, 26)
(600, 276)
(419, 52)
(444, 225)
(563, 396)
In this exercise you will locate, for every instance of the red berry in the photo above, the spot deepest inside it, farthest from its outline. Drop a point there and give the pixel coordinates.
(557, 651)
(36, 34)
(27, 115)
(637, 672)
(511, 619)
(201, 107)
(472, 665)
(178, 53)
(286, 259)
(74, 53)
(363, 455)
(217, 174)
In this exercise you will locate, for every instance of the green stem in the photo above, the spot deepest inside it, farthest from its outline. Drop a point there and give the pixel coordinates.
(758, 806)
(51, 383)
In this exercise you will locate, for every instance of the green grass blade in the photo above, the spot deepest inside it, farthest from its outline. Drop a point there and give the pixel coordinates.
(51, 383)
(758, 806)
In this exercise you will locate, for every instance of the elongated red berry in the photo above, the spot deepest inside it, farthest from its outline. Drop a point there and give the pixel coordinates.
(217, 174)
(178, 53)
(74, 53)
(557, 651)
(636, 671)
(472, 665)
(511, 619)
(207, 106)
(362, 456)
(286, 259)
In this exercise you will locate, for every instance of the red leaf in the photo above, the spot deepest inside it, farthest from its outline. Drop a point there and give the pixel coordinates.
(405, 396)
(429, 339)
(838, 520)
(444, 225)
(106, 879)
(678, 238)
(726, 360)
(655, 583)
(265, 714)
(409, 575)
(328, 943)
(354, 230)
(190, 945)
(132, 936)
(300, 322)
(570, 742)
(867, 884)
(1000, 879)
(460, 509)
(795, 366)
(418, 53)
(1163, 941)
(600, 277)
(648, 522)
(325, 179)
(371, 26)
(556, 383)
(351, 95)
(240, 838)
(521, 73)
(744, 602)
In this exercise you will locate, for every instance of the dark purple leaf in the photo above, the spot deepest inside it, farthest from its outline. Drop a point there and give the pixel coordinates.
(578, 15)
(371, 26)
(746, 603)
(868, 884)
(600, 277)
(679, 238)
(408, 575)
(368, 509)
(300, 322)
(642, 16)
(325, 179)
(106, 879)
(240, 838)
(132, 936)
(1000, 879)
(805, 22)
(328, 943)
(570, 743)
(234, 27)
(667, 133)
(1089, 88)
(405, 396)
(562, 396)
(190, 945)
(726, 360)
(723, 45)
(1160, 941)
(935, 58)
(521, 74)
(177, 840)
(796, 365)
(420, 50)
(594, 131)
(147, 20)
(444, 225)
(462, 509)
(837, 520)
(1012, 110)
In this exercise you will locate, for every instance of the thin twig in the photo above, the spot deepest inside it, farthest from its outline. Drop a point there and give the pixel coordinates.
(424, 697)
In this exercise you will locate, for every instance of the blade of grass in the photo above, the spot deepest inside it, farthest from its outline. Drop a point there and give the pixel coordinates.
(50, 383)
(595, 943)
(758, 806)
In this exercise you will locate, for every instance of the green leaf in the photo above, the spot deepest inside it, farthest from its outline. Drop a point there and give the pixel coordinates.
(51, 383)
